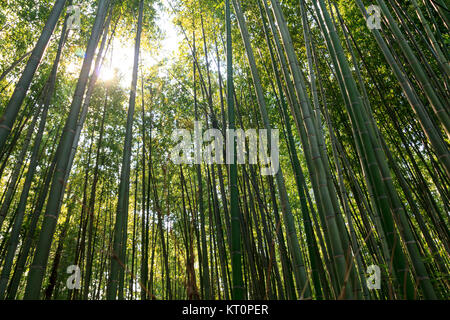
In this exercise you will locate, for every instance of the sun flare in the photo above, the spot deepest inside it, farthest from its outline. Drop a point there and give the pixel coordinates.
(107, 73)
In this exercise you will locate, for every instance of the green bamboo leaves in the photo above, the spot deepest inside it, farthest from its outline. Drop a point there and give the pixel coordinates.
(355, 208)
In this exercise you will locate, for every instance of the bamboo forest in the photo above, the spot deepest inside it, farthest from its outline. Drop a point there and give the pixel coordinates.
(224, 150)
